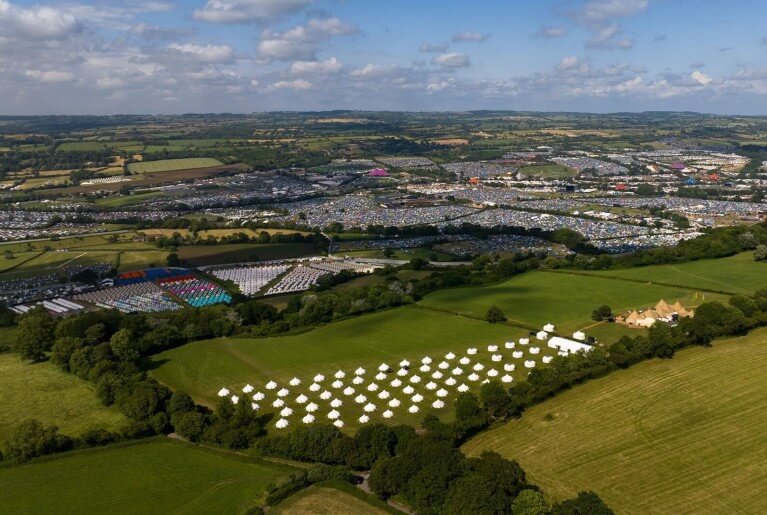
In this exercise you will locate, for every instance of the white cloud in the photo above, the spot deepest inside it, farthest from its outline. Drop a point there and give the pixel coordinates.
(208, 54)
(470, 36)
(296, 85)
(600, 18)
(301, 42)
(700, 77)
(247, 11)
(50, 76)
(38, 22)
(331, 65)
(374, 71)
(452, 60)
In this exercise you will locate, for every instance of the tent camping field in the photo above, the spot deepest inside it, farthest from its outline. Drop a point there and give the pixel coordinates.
(155, 476)
(665, 436)
(566, 300)
(202, 368)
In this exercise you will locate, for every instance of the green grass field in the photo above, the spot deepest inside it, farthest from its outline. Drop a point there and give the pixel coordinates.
(154, 477)
(566, 300)
(44, 392)
(324, 500)
(735, 274)
(202, 368)
(169, 165)
(199, 255)
(665, 436)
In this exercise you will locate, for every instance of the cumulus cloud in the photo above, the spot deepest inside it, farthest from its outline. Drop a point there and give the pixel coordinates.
(470, 35)
(701, 78)
(39, 22)
(430, 48)
(600, 18)
(331, 65)
(372, 70)
(295, 85)
(452, 60)
(301, 42)
(549, 32)
(209, 54)
(50, 76)
(247, 11)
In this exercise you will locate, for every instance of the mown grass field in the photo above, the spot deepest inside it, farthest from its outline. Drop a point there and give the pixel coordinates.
(44, 392)
(154, 477)
(735, 274)
(665, 436)
(566, 300)
(324, 500)
(202, 368)
(169, 165)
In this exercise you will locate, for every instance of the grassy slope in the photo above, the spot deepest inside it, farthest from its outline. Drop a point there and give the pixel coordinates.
(324, 500)
(666, 436)
(565, 300)
(54, 397)
(736, 274)
(202, 368)
(156, 477)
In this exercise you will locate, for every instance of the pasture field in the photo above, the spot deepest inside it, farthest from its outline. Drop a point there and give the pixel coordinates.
(325, 500)
(565, 300)
(665, 436)
(169, 165)
(32, 258)
(548, 171)
(734, 274)
(44, 392)
(154, 476)
(202, 368)
(200, 255)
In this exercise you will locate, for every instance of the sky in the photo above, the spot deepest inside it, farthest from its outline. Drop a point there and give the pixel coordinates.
(240, 56)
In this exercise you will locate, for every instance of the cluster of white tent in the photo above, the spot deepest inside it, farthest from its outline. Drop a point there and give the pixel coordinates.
(251, 279)
(380, 391)
(299, 278)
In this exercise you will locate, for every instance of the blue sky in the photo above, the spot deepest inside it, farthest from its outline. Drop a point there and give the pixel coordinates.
(163, 56)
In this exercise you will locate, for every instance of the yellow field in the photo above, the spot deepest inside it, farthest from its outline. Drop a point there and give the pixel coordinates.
(322, 500)
(666, 436)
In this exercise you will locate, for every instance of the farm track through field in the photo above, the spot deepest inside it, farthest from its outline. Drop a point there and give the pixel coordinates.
(519, 324)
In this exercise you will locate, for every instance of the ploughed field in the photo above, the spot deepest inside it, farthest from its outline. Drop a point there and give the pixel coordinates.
(666, 436)
(152, 477)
